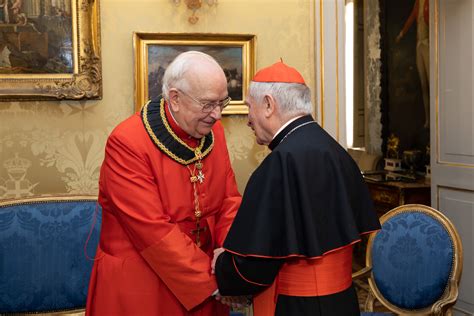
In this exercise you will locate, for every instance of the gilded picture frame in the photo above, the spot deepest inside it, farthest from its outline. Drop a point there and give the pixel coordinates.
(50, 50)
(154, 51)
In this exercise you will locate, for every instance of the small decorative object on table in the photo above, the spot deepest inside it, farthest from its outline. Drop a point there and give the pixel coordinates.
(392, 164)
(412, 159)
(392, 161)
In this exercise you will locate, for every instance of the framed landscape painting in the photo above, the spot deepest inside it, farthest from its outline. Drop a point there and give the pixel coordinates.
(155, 51)
(49, 49)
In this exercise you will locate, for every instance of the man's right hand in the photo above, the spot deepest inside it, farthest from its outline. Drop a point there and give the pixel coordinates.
(217, 252)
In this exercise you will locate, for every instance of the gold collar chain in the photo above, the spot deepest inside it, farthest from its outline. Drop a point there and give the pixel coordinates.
(198, 165)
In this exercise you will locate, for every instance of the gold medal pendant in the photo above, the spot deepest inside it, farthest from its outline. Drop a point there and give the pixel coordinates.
(198, 165)
(200, 177)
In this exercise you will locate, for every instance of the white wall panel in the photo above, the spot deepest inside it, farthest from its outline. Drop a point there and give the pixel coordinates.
(452, 134)
(454, 127)
(458, 206)
(329, 61)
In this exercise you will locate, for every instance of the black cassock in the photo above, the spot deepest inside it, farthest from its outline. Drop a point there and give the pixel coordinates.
(306, 198)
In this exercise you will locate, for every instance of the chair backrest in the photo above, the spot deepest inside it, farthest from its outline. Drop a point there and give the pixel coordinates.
(416, 260)
(43, 266)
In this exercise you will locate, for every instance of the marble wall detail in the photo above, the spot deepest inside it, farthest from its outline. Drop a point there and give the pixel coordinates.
(373, 73)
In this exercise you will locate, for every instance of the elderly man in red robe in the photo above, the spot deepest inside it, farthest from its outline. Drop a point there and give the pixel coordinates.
(168, 197)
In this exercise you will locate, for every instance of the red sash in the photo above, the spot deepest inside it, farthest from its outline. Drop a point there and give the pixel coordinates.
(329, 274)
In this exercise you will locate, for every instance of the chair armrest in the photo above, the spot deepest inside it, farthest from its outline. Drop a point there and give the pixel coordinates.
(364, 272)
(452, 290)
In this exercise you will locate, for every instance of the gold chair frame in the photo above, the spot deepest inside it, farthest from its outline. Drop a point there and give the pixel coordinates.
(46, 199)
(450, 295)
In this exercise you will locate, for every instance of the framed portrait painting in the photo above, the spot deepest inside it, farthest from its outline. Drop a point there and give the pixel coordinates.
(49, 49)
(155, 51)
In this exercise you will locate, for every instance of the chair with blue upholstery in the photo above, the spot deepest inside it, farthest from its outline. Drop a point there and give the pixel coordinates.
(43, 266)
(414, 262)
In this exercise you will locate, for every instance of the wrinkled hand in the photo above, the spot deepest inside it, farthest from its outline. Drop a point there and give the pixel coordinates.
(235, 301)
(217, 252)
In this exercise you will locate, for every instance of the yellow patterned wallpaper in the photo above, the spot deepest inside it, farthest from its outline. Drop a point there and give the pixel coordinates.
(57, 147)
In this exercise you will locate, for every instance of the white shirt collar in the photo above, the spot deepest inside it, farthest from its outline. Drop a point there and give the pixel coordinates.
(285, 125)
(172, 116)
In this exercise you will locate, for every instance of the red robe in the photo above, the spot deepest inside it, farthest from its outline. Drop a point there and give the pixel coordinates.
(147, 262)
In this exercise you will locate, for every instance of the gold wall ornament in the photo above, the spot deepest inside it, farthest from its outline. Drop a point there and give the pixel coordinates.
(70, 71)
(195, 5)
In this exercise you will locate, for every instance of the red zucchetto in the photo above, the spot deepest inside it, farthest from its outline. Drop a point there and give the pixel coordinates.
(279, 72)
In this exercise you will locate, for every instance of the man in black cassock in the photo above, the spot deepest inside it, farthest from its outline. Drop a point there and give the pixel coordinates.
(304, 207)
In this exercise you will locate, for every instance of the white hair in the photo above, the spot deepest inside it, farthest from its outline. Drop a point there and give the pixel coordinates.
(292, 98)
(174, 74)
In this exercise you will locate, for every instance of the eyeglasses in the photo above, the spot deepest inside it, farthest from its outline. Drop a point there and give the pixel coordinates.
(209, 106)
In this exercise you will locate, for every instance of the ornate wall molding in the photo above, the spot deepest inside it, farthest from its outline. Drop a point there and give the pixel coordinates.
(373, 77)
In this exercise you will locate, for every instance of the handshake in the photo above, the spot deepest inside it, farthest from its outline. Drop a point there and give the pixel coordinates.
(232, 301)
